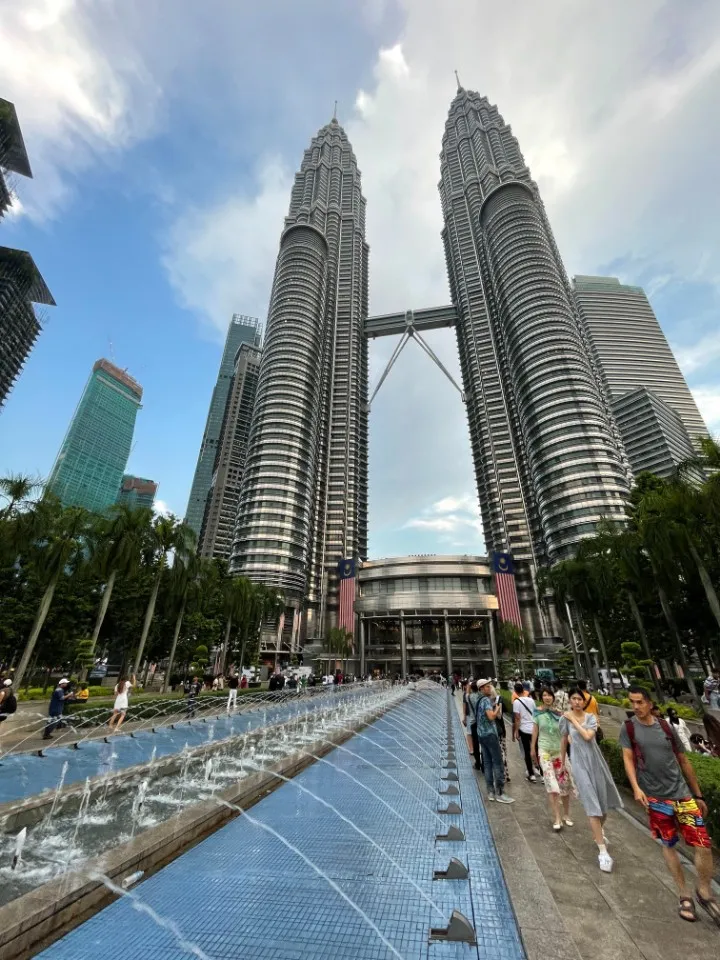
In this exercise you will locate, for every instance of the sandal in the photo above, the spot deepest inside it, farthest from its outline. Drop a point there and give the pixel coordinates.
(686, 910)
(710, 906)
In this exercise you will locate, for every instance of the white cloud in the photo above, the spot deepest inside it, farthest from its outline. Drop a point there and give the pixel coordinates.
(698, 355)
(76, 92)
(449, 517)
(161, 509)
(708, 401)
(220, 259)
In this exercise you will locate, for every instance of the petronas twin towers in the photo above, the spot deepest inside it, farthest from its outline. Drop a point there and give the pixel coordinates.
(547, 457)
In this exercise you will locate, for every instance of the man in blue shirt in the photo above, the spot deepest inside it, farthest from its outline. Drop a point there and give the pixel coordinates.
(488, 709)
(57, 705)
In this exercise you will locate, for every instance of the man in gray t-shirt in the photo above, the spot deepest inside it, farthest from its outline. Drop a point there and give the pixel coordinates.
(664, 782)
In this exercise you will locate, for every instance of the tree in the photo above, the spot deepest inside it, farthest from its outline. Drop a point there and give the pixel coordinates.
(53, 538)
(632, 666)
(119, 541)
(16, 490)
(167, 535)
(513, 641)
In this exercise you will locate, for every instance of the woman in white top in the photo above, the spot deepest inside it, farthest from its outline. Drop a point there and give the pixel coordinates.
(681, 728)
(122, 691)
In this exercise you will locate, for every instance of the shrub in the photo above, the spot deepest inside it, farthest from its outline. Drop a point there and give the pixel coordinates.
(707, 770)
(683, 710)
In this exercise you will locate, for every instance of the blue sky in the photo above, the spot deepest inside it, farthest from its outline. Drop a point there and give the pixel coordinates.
(164, 134)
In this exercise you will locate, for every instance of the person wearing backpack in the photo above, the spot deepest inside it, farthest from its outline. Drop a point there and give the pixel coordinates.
(664, 782)
(523, 726)
(8, 700)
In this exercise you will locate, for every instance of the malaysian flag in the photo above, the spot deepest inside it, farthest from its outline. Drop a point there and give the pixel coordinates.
(346, 613)
(504, 572)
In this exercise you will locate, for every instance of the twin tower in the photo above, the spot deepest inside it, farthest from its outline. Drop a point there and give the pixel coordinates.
(548, 461)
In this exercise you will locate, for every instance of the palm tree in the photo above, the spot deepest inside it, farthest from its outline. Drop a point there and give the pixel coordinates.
(53, 539)
(168, 535)
(186, 587)
(16, 490)
(119, 543)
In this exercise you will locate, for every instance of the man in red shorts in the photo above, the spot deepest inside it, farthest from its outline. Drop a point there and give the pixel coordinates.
(659, 774)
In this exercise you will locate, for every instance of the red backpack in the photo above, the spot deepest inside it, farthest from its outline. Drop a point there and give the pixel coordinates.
(636, 748)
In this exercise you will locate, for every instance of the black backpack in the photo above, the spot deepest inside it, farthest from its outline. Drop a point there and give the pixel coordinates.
(9, 704)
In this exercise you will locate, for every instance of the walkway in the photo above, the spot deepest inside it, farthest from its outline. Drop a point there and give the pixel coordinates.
(24, 774)
(567, 908)
(244, 892)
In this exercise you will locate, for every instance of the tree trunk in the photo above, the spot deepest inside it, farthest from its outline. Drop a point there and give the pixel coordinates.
(637, 616)
(583, 638)
(603, 652)
(173, 648)
(670, 620)
(710, 593)
(149, 614)
(40, 618)
(225, 646)
(104, 604)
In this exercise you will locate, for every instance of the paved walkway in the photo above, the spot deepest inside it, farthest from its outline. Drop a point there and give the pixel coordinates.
(280, 888)
(567, 908)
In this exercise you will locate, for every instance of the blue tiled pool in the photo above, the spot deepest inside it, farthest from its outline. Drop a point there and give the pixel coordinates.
(244, 893)
(25, 774)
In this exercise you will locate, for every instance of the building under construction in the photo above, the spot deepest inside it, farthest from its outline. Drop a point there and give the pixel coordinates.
(21, 284)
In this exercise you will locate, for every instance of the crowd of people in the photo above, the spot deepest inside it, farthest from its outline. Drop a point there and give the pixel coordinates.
(558, 732)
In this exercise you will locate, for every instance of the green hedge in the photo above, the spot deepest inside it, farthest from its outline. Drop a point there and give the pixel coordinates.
(683, 710)
(707, 770)
(36, 693)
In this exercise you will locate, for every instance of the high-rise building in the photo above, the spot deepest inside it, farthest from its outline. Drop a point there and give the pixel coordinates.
(13, 155)
(93, 456)
(653, 433)
(303, 503)
(630, 347)
(137, 492)
(241, 330)
(218, 527)
(21, 285)
(548, 458)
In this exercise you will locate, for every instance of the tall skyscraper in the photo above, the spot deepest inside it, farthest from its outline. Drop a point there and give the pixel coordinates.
(655, 438)
(93, 456)
(218, 527)
(241, 330)
(630, 347)
(303, 503)
(21, 285)
(137, 492)
(547, 454)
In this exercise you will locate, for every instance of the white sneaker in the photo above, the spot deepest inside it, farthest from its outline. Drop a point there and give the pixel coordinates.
(532, 779)
(569, 822)
(491, 795)
(606, 862)
(504, 798)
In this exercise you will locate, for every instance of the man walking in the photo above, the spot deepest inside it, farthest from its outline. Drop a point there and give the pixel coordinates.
(487, 712)
(523, 724)
(57, 705)
(232, 681)
(659, 773)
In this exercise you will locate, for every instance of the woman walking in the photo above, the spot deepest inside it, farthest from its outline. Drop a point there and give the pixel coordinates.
(500, 725)
(546, 749)
(120, 707)
(593, 780)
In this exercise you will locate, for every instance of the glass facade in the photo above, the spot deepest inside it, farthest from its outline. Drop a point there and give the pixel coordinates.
(137, 492)
(424, 585)
(89, 468)
(241, 330)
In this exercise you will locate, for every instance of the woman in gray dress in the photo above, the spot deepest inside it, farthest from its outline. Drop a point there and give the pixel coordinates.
(593, 780)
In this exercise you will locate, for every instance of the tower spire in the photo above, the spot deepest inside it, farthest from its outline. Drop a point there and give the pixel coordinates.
(335, 112)
(459, 85)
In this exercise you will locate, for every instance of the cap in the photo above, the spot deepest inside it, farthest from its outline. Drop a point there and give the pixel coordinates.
(8, 682)
(61, 682)
(483, 683)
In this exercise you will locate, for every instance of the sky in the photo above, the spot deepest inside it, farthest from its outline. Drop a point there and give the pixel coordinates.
(164, 135)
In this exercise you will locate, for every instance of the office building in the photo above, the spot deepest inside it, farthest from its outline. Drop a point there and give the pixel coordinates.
(303, 503)
(89, 468)
(21, 285)
(548, 458)
(218, 527)
(241, 330)
(137, 492)
(630, 348)
(655, 437)
(13, 155)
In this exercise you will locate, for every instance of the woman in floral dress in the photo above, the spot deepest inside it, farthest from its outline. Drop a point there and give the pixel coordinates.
(546, 744)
